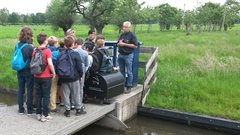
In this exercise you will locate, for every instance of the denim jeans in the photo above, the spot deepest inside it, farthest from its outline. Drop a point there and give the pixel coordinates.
(25, 78)
(125, 65)
(42, 87)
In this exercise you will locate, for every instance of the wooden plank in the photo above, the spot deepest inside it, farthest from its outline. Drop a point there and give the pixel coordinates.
(147, 49)
(149, 77)
(149, 69)
(144, 99)
(152, 59)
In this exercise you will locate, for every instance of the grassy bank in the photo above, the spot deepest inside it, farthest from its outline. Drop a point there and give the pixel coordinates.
(199, 73)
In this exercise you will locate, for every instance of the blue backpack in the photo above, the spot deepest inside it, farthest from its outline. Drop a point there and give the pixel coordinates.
(55, 53)
(65, 69)
(18, 62)
(54, 57)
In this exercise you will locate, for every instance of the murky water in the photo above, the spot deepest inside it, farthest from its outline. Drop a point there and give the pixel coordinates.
(138, 126)
(8, 99)
(147, 126)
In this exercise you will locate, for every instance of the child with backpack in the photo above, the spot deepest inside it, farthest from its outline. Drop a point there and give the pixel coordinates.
(52, 45)
(20, 62)
(104, 59)
(43, 69)
(84, 59)
(69, 69)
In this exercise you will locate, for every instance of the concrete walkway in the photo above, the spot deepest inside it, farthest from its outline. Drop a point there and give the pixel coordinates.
(12, 123)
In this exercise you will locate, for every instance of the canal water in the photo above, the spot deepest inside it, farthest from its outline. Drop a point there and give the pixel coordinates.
(138, 126)
(8, 99)
(147, 126)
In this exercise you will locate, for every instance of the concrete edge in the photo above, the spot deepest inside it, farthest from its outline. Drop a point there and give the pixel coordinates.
(214, 123)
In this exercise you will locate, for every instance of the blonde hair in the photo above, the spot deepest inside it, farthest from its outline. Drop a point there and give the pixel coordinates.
(100, 43)
(52, 40)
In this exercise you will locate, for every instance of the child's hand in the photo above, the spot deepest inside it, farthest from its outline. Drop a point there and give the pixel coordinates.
(53, 76)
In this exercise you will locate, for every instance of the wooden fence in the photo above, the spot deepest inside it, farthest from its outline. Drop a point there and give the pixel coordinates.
(150, 68)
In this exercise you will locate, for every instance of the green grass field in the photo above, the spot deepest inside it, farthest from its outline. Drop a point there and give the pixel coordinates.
(199, 73)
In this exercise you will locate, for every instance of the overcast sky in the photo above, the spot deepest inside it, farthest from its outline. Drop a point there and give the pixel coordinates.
(34, 6)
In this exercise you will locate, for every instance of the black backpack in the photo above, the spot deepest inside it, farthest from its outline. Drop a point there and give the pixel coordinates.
(65, 67)
(37, 64)
(106, 65)
(95, 64)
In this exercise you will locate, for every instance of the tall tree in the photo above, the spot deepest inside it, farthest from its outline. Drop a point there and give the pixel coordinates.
(178, 19)
(149, 16)
(166, 16)
(40, 18)
(14, 18)
(27, 19)
(231, 13)
(211, 15)
(126, 10)
(4, 14)
(95, 12)
(59, 15)
(189, 21)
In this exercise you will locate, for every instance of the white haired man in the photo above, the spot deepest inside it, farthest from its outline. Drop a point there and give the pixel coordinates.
(126, 43)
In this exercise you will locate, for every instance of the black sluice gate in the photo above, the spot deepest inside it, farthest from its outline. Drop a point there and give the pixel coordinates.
(104, 86)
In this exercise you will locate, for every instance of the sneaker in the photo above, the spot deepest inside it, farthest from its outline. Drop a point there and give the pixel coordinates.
(45, 118)
(21, 112)
(54, 110)
(67, 113)
(72, 107)
(80, 112)
(31, 112)
(39, 117)
(128, 90)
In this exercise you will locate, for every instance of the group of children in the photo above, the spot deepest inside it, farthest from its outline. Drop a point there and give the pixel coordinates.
(55, 73)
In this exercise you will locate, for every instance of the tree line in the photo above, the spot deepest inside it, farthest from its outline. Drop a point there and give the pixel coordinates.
(99, 13)
(15, 18)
